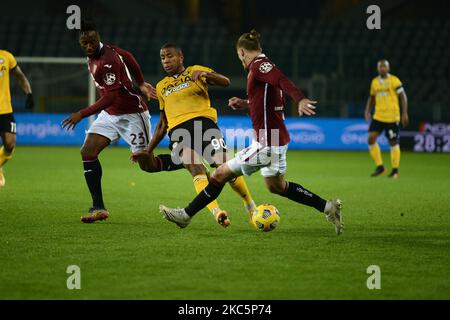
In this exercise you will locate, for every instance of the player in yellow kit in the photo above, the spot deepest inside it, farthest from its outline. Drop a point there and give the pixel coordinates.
(385, 92)
(191, 122)
(8, 64)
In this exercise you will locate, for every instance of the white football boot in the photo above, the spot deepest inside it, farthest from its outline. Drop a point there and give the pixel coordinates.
(177, 216)
(334, 215)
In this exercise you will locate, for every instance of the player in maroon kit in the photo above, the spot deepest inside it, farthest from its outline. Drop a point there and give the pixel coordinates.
(123, 113)
(267, 152)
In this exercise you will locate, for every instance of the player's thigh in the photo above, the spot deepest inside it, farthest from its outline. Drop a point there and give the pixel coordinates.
(8, 130)
(192, 161)
(277, 162)
(94, 144)
(218, 159)
(392, 133)
(249, 160)
(275, 184)
(214, 148)
(372, 137)
(134, 129)
(375, 129)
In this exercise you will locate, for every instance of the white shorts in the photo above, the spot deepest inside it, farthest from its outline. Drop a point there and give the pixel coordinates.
(271, 160)
(134, 128)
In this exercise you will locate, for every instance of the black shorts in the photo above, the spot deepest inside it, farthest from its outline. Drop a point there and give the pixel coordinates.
(7, 123)
(199, 134)
(391, 129)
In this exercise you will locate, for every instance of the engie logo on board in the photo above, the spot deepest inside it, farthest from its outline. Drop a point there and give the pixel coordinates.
(306, 133)
(355, 134)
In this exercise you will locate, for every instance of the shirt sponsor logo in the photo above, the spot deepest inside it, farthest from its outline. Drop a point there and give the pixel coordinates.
(110, 78)
(265, 67)
(180, 87)
(109, 66)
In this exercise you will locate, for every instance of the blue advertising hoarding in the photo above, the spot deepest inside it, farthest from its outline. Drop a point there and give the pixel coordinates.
(305, 133)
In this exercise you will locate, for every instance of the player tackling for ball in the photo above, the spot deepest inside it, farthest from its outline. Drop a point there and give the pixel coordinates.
(123, 113)
(191, 122)
(8, 64)
(265, 84)
(385, 92)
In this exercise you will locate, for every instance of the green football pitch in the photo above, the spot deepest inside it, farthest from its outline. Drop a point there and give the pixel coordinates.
(402, 226)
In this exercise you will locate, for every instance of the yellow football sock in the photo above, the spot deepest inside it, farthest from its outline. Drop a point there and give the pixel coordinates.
(375, 153)
(200, 183)
(240, 187)
(395, 156)
(4, 156)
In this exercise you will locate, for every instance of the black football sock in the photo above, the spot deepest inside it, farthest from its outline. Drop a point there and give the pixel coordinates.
(93, 175)
(210, 193)
(301, 195)
(167, 164)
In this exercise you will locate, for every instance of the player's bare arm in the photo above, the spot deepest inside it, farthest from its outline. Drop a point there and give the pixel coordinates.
(25, 85)
(404, 107)
(212, 78)
(236, 103)
(104, 102)
(369, 106)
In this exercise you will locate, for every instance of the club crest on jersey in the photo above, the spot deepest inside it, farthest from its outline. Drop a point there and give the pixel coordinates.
(110, 78)
(265, 67)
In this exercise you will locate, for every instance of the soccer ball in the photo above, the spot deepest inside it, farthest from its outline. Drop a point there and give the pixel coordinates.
(266, 218)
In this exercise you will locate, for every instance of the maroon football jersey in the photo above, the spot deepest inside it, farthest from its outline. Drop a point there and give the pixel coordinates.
(110, 73)
(265, 87)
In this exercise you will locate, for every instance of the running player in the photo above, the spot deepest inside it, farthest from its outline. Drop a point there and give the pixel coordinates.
(267, 152)
(8, 64)
(191, 122)
(123, 113)
(385, 92)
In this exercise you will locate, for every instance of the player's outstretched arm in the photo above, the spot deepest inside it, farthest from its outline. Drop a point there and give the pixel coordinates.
(25, 85)
(212, 78)
(236, 103)
(104, 102)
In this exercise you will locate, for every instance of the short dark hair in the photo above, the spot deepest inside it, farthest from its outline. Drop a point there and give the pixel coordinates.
(87, 25)
(250, 41)
(172, 45)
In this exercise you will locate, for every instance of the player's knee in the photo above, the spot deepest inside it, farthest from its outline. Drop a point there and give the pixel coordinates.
(9, 146)
(276, 188)
(88, 152)
(371, 139)
(220, 175)
(195, 169)
(393, 142)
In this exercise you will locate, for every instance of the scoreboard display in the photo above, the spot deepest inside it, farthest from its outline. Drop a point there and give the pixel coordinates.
(430, 138)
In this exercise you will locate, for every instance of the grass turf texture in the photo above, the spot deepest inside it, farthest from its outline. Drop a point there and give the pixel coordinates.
(403, 226)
